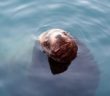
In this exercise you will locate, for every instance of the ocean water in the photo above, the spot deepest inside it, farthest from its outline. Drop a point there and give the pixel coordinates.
(24, 69)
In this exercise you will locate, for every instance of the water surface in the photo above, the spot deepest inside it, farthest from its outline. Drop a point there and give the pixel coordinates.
(24, 70)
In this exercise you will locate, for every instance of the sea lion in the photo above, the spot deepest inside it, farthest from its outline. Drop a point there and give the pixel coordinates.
(58, 45)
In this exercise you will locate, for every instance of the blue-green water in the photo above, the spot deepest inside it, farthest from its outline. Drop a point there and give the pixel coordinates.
(87, 20)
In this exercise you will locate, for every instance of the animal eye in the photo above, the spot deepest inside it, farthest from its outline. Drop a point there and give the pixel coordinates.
(58, 36)
(64, 33)
(46, 44)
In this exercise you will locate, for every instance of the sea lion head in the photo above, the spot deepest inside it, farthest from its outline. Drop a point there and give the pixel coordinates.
(58, 45)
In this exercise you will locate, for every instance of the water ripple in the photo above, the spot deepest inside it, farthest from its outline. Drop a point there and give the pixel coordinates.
(87, 20)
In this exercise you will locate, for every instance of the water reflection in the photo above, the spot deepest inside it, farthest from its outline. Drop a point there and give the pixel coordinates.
(57, 67)
(81, 78)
